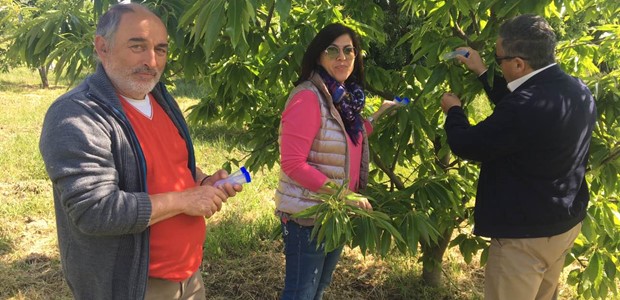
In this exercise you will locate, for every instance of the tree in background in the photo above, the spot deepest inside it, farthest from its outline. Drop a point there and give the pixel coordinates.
(8, 18)
(246, 54)
(39, 27)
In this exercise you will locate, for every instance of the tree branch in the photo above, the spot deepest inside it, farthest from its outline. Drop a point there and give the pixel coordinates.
(458, 32)
(613, 156)
(393, 177)
(270, 16)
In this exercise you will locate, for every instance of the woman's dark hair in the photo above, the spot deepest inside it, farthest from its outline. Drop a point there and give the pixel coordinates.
(529, 36)
(321, 41)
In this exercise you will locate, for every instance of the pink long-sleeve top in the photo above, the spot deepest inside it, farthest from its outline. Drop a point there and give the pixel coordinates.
(301, 122)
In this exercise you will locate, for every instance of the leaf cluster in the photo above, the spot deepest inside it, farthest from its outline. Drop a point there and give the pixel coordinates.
(339, 221)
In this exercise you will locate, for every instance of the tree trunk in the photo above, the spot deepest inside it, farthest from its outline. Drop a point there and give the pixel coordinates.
(432, 257)
(43, 73)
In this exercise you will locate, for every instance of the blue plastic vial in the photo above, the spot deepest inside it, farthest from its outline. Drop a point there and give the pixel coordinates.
(453, 54)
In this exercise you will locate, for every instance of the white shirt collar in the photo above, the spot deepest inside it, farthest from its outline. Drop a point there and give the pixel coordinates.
(143, 106)
(513, 85)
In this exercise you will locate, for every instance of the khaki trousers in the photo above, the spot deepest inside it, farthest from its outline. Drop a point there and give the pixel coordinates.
(160, 289)
(527, 269)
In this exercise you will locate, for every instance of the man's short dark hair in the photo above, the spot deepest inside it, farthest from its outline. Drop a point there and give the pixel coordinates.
(529, 36)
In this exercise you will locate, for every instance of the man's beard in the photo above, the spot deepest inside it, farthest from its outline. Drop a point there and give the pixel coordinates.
(123, 80)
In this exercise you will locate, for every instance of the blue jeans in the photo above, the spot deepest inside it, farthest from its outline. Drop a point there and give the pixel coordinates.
(308, 269)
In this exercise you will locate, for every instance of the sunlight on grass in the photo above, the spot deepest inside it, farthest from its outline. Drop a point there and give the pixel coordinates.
(20, 77)
(20, 125)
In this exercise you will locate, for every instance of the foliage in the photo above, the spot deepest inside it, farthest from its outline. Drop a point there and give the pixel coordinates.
(52, 32)
(340, 221)
(246, 54)
(8, 17)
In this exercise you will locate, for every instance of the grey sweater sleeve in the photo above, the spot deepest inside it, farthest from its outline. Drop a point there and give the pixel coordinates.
(78, 143)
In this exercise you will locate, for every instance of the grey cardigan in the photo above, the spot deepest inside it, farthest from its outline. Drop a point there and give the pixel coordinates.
(98, 173)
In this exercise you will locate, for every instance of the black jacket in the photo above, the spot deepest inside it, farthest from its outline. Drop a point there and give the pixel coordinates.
(534, 150)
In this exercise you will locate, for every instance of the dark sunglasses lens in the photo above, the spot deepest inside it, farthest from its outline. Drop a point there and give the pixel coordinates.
(349, 51)
(332, 52)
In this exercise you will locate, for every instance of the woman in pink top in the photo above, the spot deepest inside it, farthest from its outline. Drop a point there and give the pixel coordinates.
(323, 139)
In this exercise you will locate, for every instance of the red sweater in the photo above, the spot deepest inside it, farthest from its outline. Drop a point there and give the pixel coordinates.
(175, 243)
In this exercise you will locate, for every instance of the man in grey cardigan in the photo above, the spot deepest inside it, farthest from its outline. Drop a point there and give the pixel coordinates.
(130, 202)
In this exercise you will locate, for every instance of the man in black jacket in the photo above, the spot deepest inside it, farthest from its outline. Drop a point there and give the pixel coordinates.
(534, 147)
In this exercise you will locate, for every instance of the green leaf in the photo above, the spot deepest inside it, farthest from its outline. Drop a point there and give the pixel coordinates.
(190, 14)
(360, 238)
(373, 238)
(484, 256)
(438, 75)
(45, 38)
(236, 18)
(283, 7)
(309, 212)
(587, 229)
(593, 271)
(386, 242)
(610, 267)
(467, 248)
(214, 13)
(458, 240)
(411, 233)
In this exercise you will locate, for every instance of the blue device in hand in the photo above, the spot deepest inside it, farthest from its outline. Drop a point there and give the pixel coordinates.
(453, 54)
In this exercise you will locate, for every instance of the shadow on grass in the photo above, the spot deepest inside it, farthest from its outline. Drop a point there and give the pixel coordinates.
(12, 87)
(37, 276)
(183, 88)
(6, 244)
(214, 132)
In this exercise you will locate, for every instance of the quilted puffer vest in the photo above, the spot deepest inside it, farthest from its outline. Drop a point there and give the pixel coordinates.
(328, 154)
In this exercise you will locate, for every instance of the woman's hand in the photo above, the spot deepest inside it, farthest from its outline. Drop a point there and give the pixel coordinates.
(386, 106)
(355, 199)
(350, 197)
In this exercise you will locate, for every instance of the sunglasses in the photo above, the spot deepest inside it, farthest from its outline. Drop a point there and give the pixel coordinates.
(498, 59)
(333, 52)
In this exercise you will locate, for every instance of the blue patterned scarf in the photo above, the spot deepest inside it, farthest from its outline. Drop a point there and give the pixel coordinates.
(349, 100)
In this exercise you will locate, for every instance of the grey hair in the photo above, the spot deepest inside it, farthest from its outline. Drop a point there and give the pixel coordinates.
(108, 22)
(529, 36)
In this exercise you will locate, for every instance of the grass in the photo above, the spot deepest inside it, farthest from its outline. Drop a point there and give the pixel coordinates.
(241, 259)
(29, 262)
